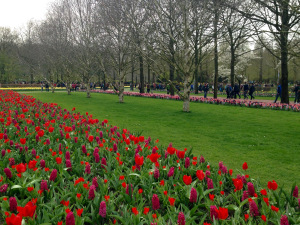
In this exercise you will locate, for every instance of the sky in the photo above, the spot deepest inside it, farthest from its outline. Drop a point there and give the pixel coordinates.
(15, 14)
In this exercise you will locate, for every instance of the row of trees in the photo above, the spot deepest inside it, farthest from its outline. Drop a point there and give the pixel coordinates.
(169, 40)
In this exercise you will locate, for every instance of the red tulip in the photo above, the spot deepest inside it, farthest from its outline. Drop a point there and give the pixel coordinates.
(187, 179)
(23, 141)
(245, 166)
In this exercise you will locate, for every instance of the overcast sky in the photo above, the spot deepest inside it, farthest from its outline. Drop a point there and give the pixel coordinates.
(16, 13)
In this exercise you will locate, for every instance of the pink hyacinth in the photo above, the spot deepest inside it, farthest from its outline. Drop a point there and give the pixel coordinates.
(3, 152)
(83, 148)
(187, 162)
(193, 196)
(97, 158)
(67, 155)
(207, 174)
(33, 153)
(92, 192)
(202, 160)
(96, 150)
(214, 213)
(166, 154)
(296, 192)
(44, 185)
(8, 173)
(88, 169)
(95, 182)
(156, 173)
(13, 204)
(69, 164)
(127, 189)
(210, 184)
(284, 220)
(103, 162)
(245, 195)
(3, 188)
(181, 219)
(171, 172)
(253, 209)
(244, 180)
(102, 209)
(155, 202)
(53, 175)
(42, 163)
(251, 190)
(115, 147)
(70, 219)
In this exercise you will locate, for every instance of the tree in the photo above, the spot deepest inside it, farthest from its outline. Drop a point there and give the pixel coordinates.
(9, 63)
(281, 19)
(183, 57)
(238, 34)
(117, 35)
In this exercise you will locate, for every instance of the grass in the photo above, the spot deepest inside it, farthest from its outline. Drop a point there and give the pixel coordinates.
(268, 140)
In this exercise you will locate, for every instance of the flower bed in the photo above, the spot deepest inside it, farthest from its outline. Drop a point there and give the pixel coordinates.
(61, 167)
(235, 102)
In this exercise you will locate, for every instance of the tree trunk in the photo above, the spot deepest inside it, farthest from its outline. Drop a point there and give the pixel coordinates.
(68, 88)
(186, 95)
(216, 56)
(142, 85)
(149, 71)
(52, 86)
(88, 90)
(232, 64)
(132, 74)
(196, 63)
(261, 66)
(284, 53)
(172, 68)
(121, 91)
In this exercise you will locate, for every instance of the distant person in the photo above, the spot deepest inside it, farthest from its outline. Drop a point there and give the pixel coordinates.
(200, 87)
(205, 90)
(236, 90)
(42, 86)
(251, 91)
(47, 87)
(228, 90)
(148, 88)
(246, 89)
(278, 94)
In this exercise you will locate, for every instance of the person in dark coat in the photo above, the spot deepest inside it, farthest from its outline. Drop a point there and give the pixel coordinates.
(251, 91)
(205, 90)
(236, 90)
(228, 90)
(47, 87)
(278, 92)
(297, 93)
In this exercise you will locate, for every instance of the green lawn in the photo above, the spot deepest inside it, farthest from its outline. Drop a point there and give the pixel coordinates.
(268, 140)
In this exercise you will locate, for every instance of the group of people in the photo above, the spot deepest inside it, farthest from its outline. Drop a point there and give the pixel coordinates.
(296, 89)
(233, 92)
(46, 86)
